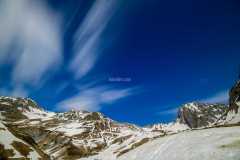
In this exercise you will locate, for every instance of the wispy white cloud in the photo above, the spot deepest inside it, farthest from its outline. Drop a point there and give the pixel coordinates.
(91, 99)
(221, 97)
(35, 30)
(110, 96)
(88, 37)
(172, 111)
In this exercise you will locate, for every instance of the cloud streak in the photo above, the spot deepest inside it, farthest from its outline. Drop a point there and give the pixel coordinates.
(34, 31)
(172, 111)
(41, 41)
(91, 99)
(88, 37)
(221, 97)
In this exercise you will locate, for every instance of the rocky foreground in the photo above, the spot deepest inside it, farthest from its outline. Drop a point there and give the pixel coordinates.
(28, 131)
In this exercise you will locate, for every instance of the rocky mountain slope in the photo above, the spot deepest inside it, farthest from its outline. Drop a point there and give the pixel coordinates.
(69, 135)
(91, 135)
(197, 115)
(11, 146)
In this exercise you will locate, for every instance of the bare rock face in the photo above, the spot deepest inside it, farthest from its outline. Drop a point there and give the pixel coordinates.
(234, 100)
(233, 112)
(197, 115)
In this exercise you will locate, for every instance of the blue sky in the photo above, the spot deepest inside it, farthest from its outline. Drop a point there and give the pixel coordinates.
(135, 61)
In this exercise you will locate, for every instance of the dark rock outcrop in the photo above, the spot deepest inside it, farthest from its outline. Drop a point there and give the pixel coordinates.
(197, 115)
(234, 97)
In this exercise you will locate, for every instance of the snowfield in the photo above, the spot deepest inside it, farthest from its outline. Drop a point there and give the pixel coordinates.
(206, 144)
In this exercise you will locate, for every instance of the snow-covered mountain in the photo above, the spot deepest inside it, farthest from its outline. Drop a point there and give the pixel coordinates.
(91, 135)
(72, 134)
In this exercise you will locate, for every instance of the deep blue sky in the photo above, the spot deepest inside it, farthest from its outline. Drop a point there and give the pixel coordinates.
(135, 61)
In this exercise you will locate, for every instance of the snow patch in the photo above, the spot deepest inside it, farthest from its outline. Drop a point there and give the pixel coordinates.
(34, 113)
(6, 138)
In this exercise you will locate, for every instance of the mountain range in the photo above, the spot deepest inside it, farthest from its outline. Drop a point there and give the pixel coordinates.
(200, 131)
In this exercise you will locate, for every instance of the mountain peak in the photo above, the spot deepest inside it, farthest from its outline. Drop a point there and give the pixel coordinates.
(197, 114)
